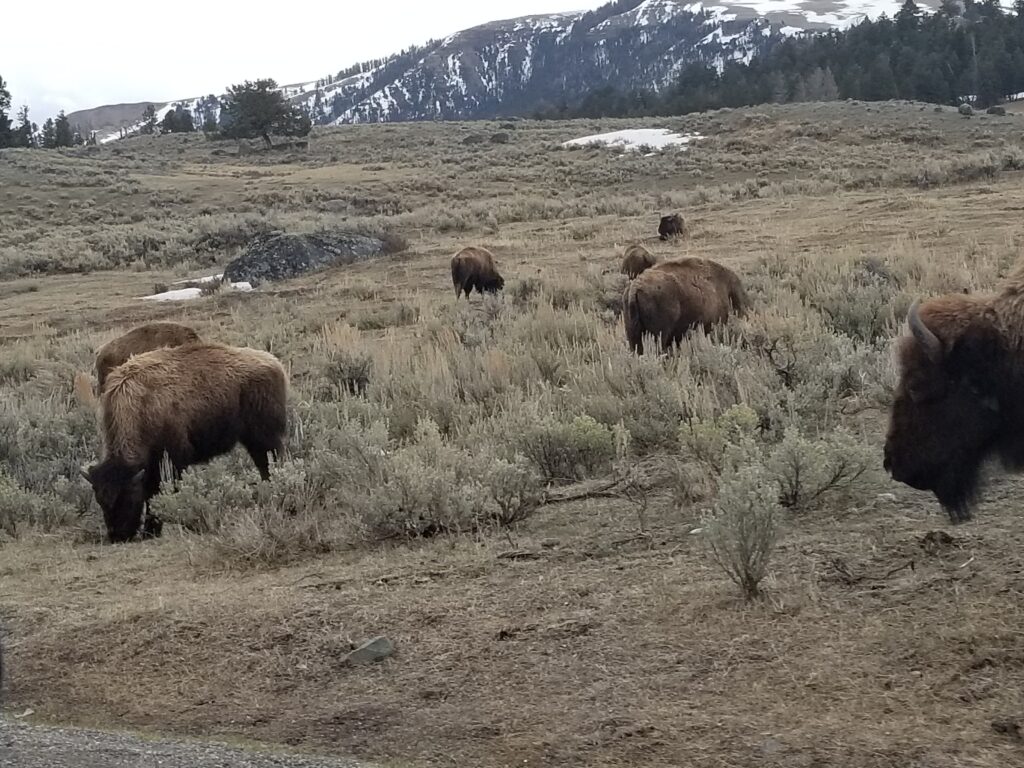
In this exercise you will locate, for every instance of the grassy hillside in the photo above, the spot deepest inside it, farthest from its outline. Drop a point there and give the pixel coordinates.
(499, 486)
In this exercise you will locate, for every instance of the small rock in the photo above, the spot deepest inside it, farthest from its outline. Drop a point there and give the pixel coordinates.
(371, 651)
(996, 110)
(965, 109)
(886, 498)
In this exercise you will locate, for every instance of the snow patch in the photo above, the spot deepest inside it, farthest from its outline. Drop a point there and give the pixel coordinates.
(186, 294)
(635, 138)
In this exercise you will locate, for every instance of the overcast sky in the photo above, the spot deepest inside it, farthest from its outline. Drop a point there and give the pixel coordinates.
(75, 55)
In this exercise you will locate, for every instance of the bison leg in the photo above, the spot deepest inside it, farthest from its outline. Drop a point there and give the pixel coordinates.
(152, 526)
(261, 453)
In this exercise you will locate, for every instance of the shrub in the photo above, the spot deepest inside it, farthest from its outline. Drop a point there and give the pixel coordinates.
(288, 520)
(348, 372)
(743, 529)
(516, 490)
(708, 441)
(806, 470)
(567, 450)
(20, 509)
(206, 499)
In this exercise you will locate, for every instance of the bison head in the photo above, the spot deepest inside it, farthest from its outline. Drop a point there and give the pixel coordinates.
(947, 414)
(494, 284)
(119, 492)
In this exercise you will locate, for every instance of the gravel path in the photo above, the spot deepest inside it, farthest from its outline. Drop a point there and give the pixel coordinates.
(32, 746)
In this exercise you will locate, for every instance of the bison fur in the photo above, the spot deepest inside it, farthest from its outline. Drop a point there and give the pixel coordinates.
(473, 267)
(190, 403)
(958, 399)
(675, 296)
(635, 260)
(670, 226)
(144, 338)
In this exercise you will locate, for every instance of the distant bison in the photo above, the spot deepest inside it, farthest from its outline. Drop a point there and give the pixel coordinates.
(144, 338)
(674, 296)
(670, 226)
(473, 267)
(192, 403)
(635, 260)
(958, 400)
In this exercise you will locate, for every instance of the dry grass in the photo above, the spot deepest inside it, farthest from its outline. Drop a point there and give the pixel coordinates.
(576, 623)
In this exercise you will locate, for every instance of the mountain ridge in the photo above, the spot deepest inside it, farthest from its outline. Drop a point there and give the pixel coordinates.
(522, 64)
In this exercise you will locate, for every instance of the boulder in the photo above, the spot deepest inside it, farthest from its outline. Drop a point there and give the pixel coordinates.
(278, 256)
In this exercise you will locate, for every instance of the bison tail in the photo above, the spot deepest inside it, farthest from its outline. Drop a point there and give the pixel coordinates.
(85, 392)
(632, 319)
(457, 279)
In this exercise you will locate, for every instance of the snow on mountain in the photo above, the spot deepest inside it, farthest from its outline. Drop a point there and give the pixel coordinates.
(521, 65)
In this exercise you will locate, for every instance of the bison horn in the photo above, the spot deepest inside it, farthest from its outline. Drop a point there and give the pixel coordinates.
(84, 472)
(923, 334)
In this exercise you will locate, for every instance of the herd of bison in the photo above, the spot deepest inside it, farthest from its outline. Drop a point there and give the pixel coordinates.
(165, 392)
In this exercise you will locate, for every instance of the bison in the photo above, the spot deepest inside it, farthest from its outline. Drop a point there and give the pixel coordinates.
(670, 226)
(675, 296)
(145, 338)
(957, 402)
(192, 403)
(635, 260)
(473, 267)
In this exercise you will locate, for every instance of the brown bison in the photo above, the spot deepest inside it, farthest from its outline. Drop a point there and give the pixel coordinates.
(193, 403)
(145, 338)
(473, 267)
(670, 226)
(635, 260)
(677, 295)
(958, 401)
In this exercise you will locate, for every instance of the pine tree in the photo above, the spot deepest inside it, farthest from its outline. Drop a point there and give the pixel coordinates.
(908, 18)
(6, 139)
(63, 136)
(49, 136)
(25, 134)
(257, 109)
(148, 120)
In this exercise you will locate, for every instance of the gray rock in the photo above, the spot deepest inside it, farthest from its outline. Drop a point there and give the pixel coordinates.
(965, 109)
(277, 256)
(377, 649)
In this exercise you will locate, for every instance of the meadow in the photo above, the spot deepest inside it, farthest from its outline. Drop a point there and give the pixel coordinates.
(542, 522)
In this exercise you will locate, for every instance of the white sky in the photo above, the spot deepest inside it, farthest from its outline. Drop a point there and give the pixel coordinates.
(74, 55)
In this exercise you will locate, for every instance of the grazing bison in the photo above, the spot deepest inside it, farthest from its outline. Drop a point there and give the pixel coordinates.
(958, 401)
(145, 338)
(674, 296)
(193, 403)
(670, 226)
(635, 260)
(473, 267)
